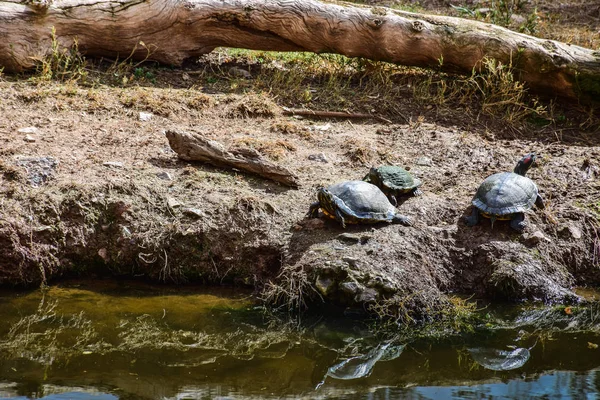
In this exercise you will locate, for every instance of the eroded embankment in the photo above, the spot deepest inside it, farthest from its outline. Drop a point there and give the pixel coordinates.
(99, 190)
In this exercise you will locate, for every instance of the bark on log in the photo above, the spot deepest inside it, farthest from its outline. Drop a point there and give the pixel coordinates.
(193, 147)
(174, 30)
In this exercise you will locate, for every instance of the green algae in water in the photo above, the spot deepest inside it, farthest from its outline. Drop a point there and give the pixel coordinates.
(137, 341)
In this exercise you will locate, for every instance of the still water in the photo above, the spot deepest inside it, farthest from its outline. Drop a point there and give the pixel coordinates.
(106, 340)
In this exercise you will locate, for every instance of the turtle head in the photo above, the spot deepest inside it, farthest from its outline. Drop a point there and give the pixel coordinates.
(524, 164)
(371, 176)
(326, 201)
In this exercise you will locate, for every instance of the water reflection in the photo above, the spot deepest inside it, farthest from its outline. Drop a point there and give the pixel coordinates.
(134, 341)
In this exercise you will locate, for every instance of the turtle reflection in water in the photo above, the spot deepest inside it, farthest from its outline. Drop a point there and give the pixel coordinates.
(507, 196)
(356, 202)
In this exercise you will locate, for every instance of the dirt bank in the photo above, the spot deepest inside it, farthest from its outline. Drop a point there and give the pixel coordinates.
(94, 188)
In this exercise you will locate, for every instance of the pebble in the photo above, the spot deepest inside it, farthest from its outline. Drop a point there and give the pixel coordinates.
(240, 73)
(535, 237)
(318, 157)
(29, 138)
(115, 164)
(173, 202)
(164, 175)
(145, 116)
(424, 161)
(29, 129)
(195, 212)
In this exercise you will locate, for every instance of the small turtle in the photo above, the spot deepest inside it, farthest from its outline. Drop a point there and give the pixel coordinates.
(356, 202)
(393, 181)
(506, 196)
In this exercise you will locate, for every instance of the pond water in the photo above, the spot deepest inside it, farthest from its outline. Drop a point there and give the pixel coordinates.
(107, 340)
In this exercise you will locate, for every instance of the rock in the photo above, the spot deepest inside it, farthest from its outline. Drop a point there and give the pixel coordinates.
(29, 139)
(173, 202)
(164, 175)
(185, 76)
(240, 73)
(103, 253)
(424, 161)
(324, 285)
(367, 296)
(39, 169)
(570, 232)
(29, 129)
(349, 238)
(535, 237)
(114, 164)
(318, 157)
(194, 212)
(351, 261)
(144, 116)
(312, 223)
(350, 287)
(322, 128)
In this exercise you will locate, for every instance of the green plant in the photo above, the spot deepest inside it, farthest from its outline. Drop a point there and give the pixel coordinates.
(62, 64)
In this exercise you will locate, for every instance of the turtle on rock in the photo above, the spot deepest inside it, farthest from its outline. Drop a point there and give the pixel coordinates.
(393, 181)
(507, 196)
(356, 202)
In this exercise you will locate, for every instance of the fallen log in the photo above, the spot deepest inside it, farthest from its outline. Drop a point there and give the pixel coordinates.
(194, 147)
(170, 31)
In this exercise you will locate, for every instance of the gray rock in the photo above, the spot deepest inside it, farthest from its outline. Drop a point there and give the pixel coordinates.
(318, 157)
(368, 295)
(240, 73)
(424, 161)
(194, 212)
(164, 175)
(39, 169)
(173, 202)
(349, 238)
(29, 139)
(351, 261)
(351, 287)
(535, 237)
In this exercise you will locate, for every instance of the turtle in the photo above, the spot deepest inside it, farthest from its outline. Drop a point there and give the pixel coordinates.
(393, 181)
(356, 202)
(507, 196)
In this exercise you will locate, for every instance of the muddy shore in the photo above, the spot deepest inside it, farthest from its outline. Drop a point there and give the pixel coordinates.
(89, 185)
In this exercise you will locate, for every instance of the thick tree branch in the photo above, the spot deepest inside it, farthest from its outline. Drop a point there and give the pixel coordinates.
(173, 30)
(193, 147)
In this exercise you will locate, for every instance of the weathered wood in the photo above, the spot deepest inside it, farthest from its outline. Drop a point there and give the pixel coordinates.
(194, 147)
(173, 30)
(332, 114)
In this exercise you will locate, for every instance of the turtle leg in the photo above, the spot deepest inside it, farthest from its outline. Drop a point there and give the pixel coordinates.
(417, 192)
(340, 218)
(518, 222)
(392, 199)
(539, 202)
(313, 211)
(473, 219)
(402, 219)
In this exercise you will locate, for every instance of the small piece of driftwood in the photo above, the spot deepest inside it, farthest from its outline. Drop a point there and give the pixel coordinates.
(194, 147)
(332, 114)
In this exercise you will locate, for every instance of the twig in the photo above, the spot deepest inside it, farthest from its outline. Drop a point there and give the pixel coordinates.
(332, 114)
